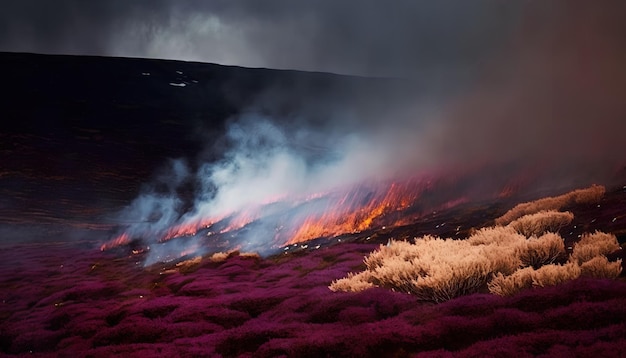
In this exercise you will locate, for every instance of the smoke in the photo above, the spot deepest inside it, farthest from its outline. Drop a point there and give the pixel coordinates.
(264, 161)
(548, 101)
(554, 99)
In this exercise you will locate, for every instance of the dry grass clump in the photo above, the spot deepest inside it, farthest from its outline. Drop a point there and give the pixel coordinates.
(223, 256)
(601, 267)
(541, 222)
(497, 235)
(503, 259)
(590, 195)
(250, 255)
(543, 250)
(504, 285)
(551, 275)
(189, 265)
(527, 277)
(437, 269)
(594, 245)
(353, 282)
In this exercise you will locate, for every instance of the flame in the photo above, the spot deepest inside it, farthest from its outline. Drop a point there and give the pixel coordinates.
(120, 240)
(298, 219)
(351, 213)
(188, 228)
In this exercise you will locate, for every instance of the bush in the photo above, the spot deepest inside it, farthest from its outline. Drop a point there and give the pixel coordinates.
(541, 222)
(352, 283)
(223, 256)
(509, 285)
(547, 275)
(432, 269)
(590, 195)
(600, 267)
(593, 245)
(551, 275)
(497, 235)
(501, 258)
(543, 250)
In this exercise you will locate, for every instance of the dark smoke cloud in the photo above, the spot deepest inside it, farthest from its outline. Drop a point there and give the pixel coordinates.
(364, 37)
(556, 98)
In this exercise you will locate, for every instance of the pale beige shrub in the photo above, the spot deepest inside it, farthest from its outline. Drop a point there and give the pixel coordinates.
(402, 249)
(432, 268)
(250, 255)
(592, 245)
(495, 235)
(352, 283)
(186, 265)
(590, 195)
(541, 222)
(539, 251)
(223, 256)
(509, 285)
(601, 267)
(499, 258)
(193, 261)
(501, 245)
(551, 275)
(447, 279)
(502, 259)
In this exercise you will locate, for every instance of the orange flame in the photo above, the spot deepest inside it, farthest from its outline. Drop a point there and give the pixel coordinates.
(362, 207)
(189, 228)
(352, 214)
(122, 239)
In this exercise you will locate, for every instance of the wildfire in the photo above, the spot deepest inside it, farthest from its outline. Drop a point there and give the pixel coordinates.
(359, 209)
(122, 239)
(188, 228)
(298, 219)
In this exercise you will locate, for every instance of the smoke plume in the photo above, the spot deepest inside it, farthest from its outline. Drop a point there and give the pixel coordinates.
(548, 102)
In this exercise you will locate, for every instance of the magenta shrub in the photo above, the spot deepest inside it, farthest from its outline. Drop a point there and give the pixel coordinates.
(132, 330)
(282, 307)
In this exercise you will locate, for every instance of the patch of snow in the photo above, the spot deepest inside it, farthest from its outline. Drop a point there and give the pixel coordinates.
(179, 72)
(182, 84)
(145, 73)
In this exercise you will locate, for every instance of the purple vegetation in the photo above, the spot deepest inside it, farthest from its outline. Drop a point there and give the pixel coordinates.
(71, 301)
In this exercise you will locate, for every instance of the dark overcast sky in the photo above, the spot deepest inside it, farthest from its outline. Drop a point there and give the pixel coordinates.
(363, 37)
(366, 37)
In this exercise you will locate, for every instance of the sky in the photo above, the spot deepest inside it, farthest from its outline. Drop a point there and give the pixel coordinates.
(359, 37)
